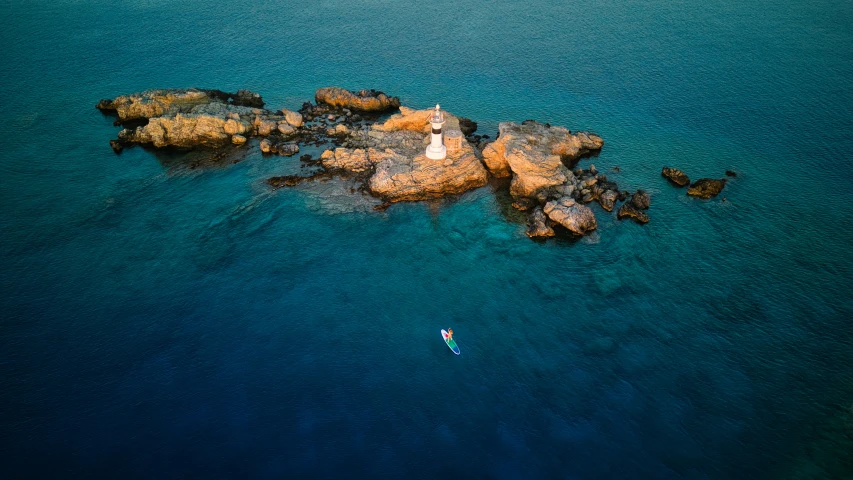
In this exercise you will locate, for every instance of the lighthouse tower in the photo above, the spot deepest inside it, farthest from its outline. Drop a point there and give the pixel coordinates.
(436, 149)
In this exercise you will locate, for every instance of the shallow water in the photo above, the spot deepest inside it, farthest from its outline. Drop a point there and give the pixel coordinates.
(161, 321)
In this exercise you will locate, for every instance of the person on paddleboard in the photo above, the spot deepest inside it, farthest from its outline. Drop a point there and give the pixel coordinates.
(449, 334)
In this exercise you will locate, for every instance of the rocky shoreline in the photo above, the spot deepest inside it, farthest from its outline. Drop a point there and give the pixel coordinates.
(388, 158)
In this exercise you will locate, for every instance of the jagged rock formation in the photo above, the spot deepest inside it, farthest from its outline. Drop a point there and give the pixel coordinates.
(634, 208)
(575, 217)
(363, 100)
(706, 187)
(675, 176)
(535, 155)
(196, 118)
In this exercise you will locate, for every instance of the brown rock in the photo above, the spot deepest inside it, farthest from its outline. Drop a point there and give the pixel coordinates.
(364, 100)
(675, 176)
(575, 217)
(641, 200)
(351, 160)
(706, 187)
(534, 153)
(537, 224)
(402, 178)
(607, 200)
(628, 210)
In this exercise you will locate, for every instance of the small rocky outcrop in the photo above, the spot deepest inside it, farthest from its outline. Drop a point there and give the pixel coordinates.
(196, 118)
(157, 103)
(675, 176)
(730, 173)
(534, 154)
(706, 187)
(628, 210)
(633, 208)
(641, 200)
(575, 217)
(537, 224)
(286, 149)
(363, 100)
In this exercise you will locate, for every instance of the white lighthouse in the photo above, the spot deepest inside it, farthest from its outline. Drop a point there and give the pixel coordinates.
(436, 149)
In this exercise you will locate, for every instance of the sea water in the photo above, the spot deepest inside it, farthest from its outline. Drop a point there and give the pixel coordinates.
(165, 319)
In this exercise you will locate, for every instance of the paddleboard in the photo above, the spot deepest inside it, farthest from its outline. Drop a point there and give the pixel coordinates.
(450, 342)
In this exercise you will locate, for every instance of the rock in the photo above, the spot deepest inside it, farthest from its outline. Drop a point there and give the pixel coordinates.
(233, 116)
(524, 204)
(467, 126)
(675, 176)
(402, 178)
(351, 160)
(413, 120)
(628, 210)
(534, 154)
(233, 127)
(305, 158)
(287, 149)
(266, 127)
(116, 146)
(245, 98)
(154, 103)
(494, 156)
(266, 146)
(537, 224)
(294, 118)
(706, 187)
(238, 139)
(592, 169)
(185, 131)
(331, 118)
(170, 102)
(337, 131)
(730, 173)
(285, 128)
(106, 104)
(575, 217)
(364, 100)
(287, 181)
(641, 200)
(607, 200)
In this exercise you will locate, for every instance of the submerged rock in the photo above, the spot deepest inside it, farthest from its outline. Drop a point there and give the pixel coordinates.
(575, 217)
(363, 100)
(675, 176)
(706, 187)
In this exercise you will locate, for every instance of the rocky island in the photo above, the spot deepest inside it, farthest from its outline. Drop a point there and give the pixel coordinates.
(386, 154)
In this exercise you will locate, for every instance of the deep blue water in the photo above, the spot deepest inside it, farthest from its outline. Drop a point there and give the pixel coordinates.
(160, 321)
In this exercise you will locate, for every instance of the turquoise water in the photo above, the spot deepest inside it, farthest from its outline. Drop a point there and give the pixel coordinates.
(161, 321)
